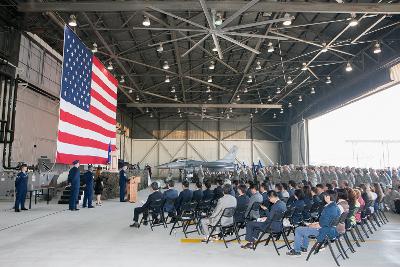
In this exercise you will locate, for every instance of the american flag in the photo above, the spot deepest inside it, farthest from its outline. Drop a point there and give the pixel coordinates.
(88, 103)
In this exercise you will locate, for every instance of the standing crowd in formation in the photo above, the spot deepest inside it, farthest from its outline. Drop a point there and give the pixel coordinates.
(315, 196)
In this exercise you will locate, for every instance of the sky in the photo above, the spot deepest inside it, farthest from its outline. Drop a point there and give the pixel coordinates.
(373, 118)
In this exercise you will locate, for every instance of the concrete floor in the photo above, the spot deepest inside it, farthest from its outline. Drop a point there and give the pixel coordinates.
(49, 235)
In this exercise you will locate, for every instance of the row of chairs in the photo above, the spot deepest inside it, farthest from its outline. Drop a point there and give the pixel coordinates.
(369, 220)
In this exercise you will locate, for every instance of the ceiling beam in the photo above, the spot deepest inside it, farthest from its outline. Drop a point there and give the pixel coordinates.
(228, 6)
(200, 105)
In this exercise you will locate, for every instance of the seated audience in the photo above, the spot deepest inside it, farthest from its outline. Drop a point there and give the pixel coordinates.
(218, 191)
(170, 195)
(185, 196)
(321, 229)
(155, 196)
(226, 201)
(343, 205)
(198, 193)
(298, 206)
(242, 203)
(253, 229)
(208, 193)
(256, 197)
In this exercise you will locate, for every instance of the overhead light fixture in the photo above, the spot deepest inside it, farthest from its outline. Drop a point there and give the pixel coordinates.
(110, 66)
(208, 89)
(245, 90)
(258, 67)
(72, 21)
(146, 21)
(147, 110)
(304, 67)
(212, 65)
(270, 48)
(269, 99)
(250, 79)
(218, 19)
(175, 97)
(165, 66)
(209, 98)
(209, 79)
(274, 116)
(353, 21)
(180, 115)
(377, 48)
(281, 111)
(312, 90)
(230, 110)
(288, 19)
(238, 97)
(328, 80)
(300, 98)
(122, 80)
(227, 116)
(167, 80)
(137, 98)
(215, 49)
(289, 80)
(290, 105)
(160, 48)
(256, 111)
(251, 115)
(130, 91)
(349, 67)
(179, 110)
(173, 89)
(151, 115)
(278, 91)
(94, 48)
(324, 47)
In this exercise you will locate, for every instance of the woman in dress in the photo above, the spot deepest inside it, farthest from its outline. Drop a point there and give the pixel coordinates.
(98, 187)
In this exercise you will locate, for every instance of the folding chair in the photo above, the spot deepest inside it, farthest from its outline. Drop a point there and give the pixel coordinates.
(327, 242)
(274, 236)
(254, 207)
(186, 218)
(170, 215)
(227, 214)
(155, 211)
(350, 228)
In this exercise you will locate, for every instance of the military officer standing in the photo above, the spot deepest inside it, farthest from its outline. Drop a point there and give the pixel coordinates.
(74, 179)
(123, 179)
(21, 188)
(88, 179)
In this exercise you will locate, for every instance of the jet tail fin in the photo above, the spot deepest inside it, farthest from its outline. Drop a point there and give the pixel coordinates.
(231, 154)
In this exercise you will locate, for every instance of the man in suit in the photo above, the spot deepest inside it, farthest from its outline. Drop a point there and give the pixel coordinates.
(170, 195)
(321, 229)
(264, 194)
(208, 193)
(74, 180)
(21, 188)
(226, 201)
(218, 192)
(255, 197)
(198, 193)
(185, 196)
(153, 197)
(242, 203)
(123, 179)
(253, 229)
(88, 180)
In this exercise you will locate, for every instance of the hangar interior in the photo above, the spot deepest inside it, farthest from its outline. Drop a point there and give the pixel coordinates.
(195, 78)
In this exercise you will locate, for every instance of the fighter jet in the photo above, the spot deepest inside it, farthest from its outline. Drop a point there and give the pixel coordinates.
(228, 162)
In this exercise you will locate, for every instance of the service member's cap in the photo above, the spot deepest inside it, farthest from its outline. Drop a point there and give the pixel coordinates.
(75, 162)
(24, 165)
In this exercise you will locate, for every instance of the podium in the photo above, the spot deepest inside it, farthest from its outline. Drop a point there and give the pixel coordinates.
(134, 182)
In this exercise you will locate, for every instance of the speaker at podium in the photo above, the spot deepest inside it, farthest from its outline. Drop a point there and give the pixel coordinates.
(134, 182)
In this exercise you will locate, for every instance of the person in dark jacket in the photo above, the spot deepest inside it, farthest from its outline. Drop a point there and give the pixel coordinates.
(88, 180)
(123, 179)
(242, 203)
(155, 196)
(208, 193)
(198, 193)
(298, 206)
(21, 188)
(74, 180)
(185, 196)
(308, 202)
(170, 195)
(254, 228)
(218, 191)
(321, 229)
(265, 202)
